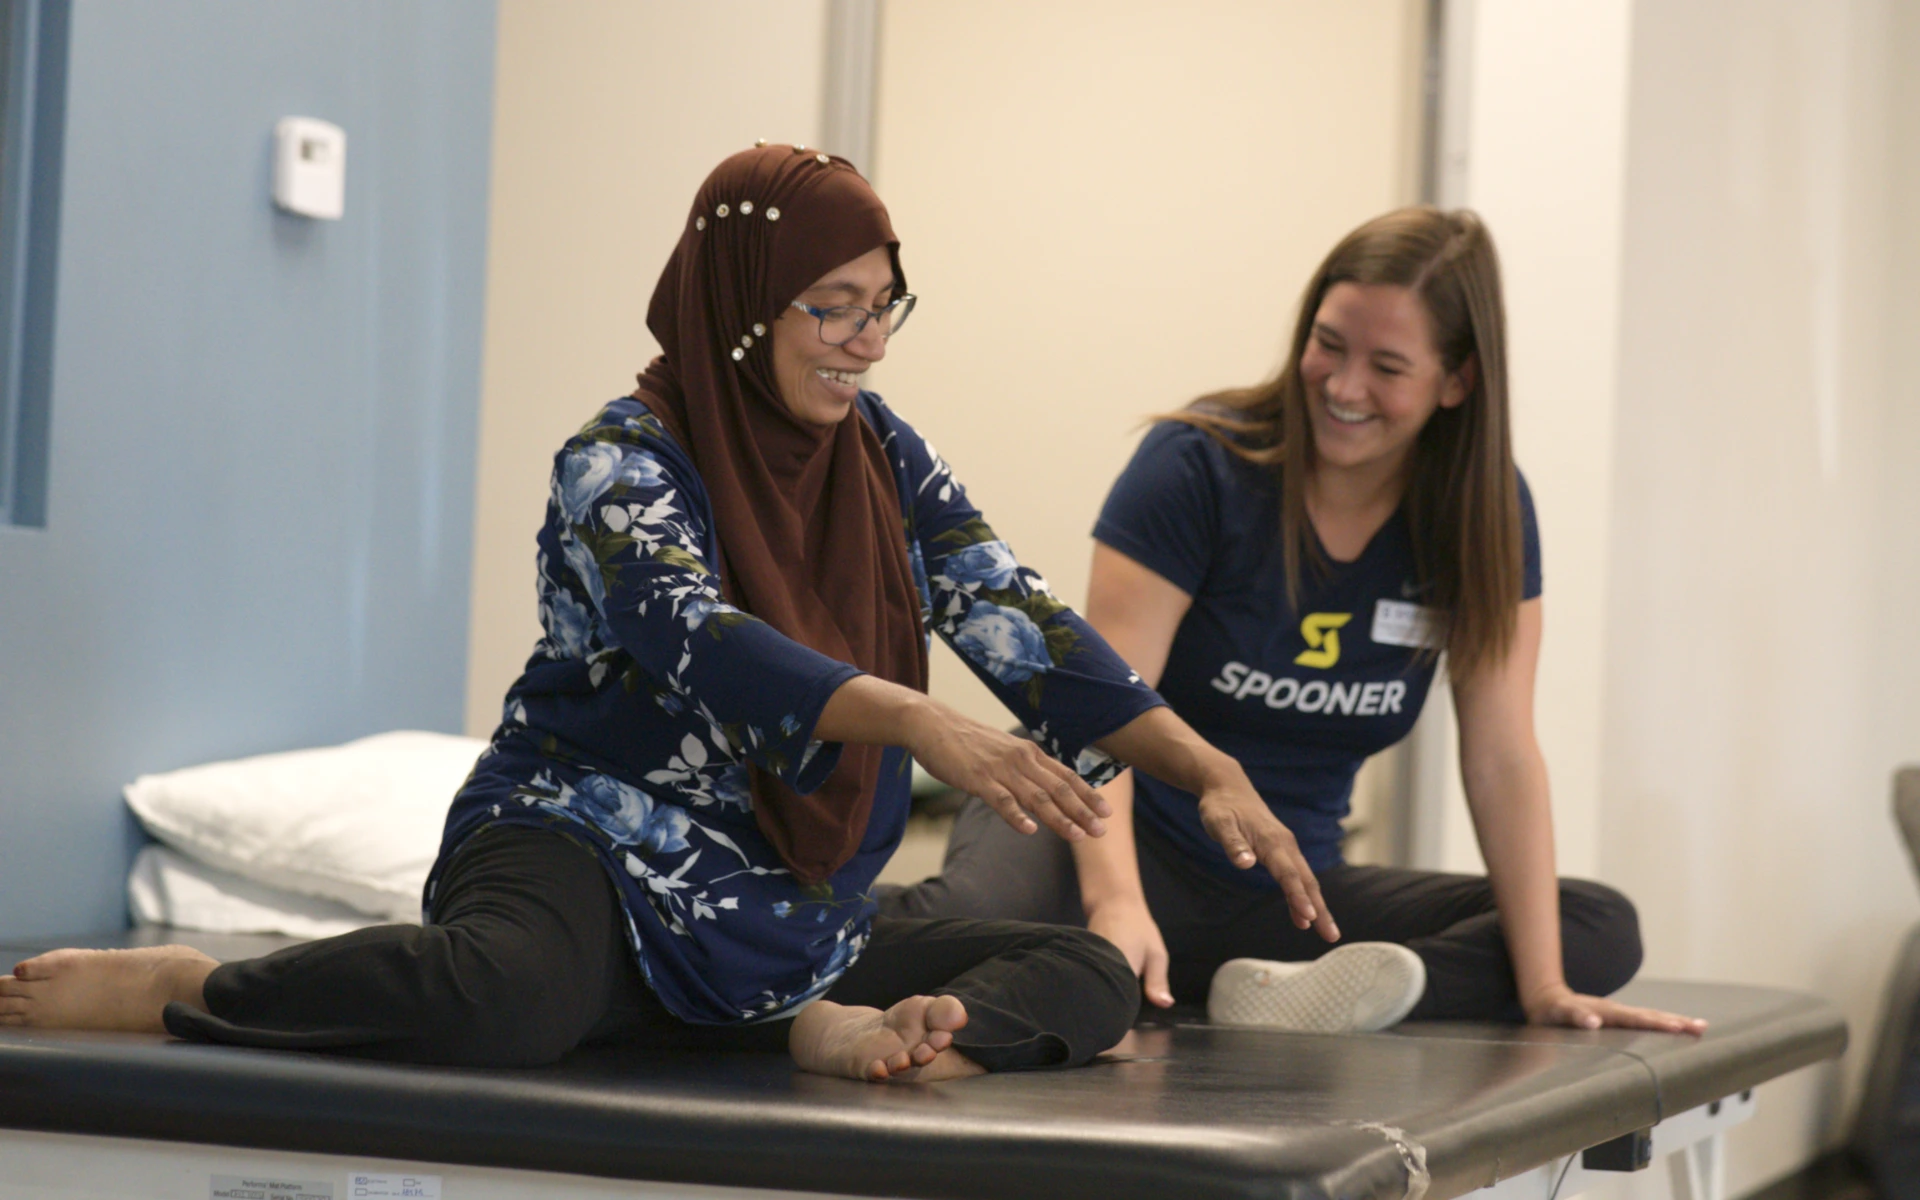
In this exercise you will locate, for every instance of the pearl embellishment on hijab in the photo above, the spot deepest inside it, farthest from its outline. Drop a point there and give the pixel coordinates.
(746, 208)
(773, 214)
(738, 354)
(699, 222)
(722, 211)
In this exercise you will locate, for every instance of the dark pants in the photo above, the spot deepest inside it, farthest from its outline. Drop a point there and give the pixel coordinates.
(527, 957)
(1448, 920)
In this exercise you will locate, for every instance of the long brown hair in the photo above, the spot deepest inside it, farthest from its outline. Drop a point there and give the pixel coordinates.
(1462, 501)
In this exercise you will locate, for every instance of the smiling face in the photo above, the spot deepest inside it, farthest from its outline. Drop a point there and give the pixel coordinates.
(1373, 376)
(818, 382)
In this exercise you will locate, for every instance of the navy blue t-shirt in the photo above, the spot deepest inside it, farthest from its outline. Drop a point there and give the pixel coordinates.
(1300, 698)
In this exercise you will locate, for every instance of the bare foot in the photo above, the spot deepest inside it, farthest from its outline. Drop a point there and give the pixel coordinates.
(103, 989)
(913, 1040)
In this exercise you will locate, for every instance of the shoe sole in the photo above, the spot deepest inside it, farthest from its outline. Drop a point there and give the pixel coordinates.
(1360, 988)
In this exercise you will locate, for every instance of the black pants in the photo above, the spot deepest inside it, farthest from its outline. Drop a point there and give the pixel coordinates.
(527, 957)
(1448, 920)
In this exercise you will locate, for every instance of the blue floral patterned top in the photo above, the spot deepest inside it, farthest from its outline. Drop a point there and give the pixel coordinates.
(633, 724)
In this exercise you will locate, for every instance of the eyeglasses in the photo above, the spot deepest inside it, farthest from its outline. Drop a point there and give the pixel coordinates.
(844, 322)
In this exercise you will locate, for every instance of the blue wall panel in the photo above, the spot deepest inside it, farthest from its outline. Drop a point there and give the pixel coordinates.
(258, 527)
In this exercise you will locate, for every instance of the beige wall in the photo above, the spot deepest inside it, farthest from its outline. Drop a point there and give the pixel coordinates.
(1763, 658)
(608, 114)
(1544, 132)
(1109, 207)
(1133, 171)
(1705, 212)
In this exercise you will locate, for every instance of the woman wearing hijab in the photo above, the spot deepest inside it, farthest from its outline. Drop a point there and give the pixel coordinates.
(673, 833)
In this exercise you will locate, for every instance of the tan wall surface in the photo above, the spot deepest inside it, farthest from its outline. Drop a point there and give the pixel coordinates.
(1763, 657)
(1545, 160)
(1704, 212)
(608, 114)
(1110, 207)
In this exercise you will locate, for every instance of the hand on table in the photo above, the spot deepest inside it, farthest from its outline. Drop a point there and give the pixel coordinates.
(1014, 776)
(1133, 931)
(1237, 818)
(1561, 1005)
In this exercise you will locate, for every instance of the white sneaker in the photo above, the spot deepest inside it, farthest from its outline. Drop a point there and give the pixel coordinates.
(1357, 988)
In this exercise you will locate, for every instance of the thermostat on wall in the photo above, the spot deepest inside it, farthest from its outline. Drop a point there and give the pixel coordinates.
(310, 167)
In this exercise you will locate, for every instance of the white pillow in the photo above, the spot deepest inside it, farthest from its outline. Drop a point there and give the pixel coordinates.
(358, 823)
(168, 888)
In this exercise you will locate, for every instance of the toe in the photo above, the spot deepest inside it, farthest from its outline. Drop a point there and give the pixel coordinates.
(908, 1019)
(38, 967)
(946, 1014)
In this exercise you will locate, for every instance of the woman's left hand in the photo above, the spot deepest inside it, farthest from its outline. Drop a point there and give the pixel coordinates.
(1561, 1005)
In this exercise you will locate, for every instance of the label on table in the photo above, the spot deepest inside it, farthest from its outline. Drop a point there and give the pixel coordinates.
(393, 1187)
(269, 1187)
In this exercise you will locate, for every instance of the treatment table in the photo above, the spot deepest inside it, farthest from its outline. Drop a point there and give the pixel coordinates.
(1181, 1109)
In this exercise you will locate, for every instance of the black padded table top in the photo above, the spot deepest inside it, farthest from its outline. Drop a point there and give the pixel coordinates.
(1178, 1109)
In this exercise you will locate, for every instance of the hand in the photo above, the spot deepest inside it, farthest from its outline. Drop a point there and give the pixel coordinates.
(1132, 930)
(1237, 818)
(1558, 1004)
(1013, 775)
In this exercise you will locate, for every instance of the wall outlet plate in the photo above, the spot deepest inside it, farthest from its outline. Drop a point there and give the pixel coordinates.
(310, 167)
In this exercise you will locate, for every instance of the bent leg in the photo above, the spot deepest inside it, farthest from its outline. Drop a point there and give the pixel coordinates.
(1451, 922)
(1034, 995)
(994, 872)
(525, 959)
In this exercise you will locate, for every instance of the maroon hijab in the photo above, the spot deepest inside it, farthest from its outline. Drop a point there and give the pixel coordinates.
(809, 520)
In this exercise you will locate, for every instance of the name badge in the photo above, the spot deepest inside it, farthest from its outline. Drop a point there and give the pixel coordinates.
(1398, 623)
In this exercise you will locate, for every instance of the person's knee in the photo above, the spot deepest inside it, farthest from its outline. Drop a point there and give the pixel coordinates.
(502, 1015)
(1600, 936)
(1110, 989)
(992, 873)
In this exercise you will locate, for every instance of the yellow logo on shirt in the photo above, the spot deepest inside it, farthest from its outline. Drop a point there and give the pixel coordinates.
(1323, 639)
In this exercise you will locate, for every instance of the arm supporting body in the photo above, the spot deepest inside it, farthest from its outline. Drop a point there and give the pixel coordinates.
(1138, 611)
(1507, 794)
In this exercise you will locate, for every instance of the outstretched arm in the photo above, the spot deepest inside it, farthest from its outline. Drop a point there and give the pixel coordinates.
(1506, 783)
(1137, 611)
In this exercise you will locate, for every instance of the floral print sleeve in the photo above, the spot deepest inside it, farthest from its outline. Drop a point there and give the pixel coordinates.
(640, 602)
(632, 729)
(1037, 655)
